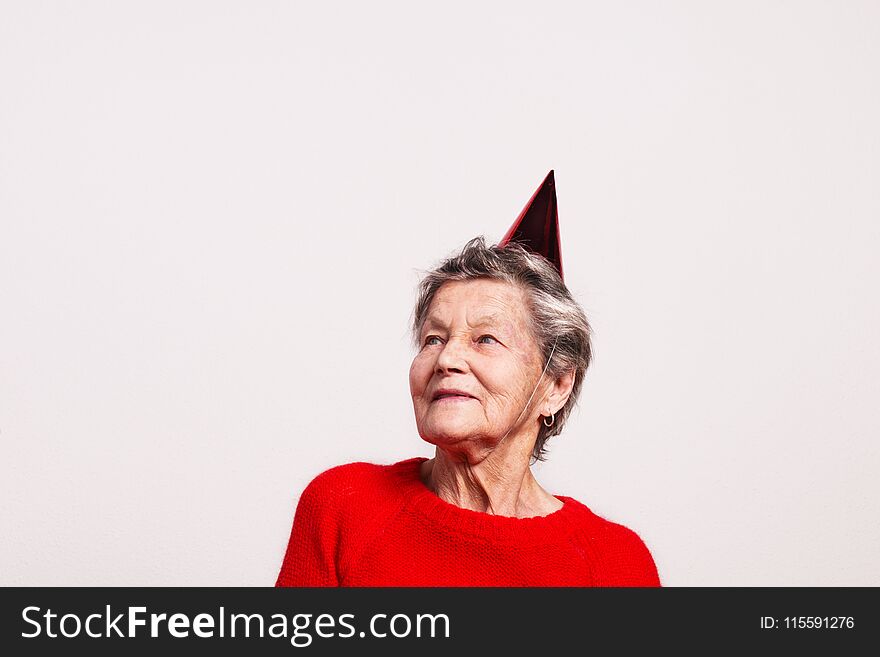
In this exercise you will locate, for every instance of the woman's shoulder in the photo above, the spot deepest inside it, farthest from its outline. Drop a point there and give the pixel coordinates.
(597, 524)
(352, 502)
(343, 476)
(358, 482)
(623, 557)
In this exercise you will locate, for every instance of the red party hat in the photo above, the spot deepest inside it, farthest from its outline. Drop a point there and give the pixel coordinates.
(537, 226)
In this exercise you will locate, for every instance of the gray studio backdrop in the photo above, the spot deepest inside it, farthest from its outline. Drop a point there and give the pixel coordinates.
(213, 216)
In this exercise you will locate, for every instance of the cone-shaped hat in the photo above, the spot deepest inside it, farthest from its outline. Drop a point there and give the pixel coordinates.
(537, 226)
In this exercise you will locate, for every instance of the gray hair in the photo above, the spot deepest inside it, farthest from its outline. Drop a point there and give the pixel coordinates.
(558, 324)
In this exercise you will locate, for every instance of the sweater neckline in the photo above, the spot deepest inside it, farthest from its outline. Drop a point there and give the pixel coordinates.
(551, 528)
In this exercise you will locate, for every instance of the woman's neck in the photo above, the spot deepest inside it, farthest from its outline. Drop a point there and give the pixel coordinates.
(499, 484)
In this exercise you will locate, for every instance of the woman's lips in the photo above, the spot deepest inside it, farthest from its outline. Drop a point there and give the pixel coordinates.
(453, 398)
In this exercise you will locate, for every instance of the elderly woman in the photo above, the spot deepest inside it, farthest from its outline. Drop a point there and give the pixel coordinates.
(502, 348)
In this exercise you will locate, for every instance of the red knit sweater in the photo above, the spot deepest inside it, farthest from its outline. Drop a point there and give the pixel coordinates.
(363, 524)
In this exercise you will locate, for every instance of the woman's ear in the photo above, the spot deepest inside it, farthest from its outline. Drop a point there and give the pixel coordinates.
(561, 391)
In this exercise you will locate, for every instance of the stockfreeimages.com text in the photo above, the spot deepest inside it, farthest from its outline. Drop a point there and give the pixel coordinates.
(299, 628)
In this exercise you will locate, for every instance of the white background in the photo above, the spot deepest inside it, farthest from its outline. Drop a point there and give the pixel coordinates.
(213, 216)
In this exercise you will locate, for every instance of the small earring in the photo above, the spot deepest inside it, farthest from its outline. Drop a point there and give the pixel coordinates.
(552, 420)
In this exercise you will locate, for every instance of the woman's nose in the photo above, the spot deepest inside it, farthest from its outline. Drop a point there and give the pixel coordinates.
(452, 357)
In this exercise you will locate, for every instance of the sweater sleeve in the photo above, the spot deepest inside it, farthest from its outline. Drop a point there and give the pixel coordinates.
(310, 559)
(627, 562)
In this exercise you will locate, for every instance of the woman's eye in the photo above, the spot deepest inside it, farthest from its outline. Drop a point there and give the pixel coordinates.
(430, 340)
(487, 337)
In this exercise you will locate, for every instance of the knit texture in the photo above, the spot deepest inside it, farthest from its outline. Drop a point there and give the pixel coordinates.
(364, 524)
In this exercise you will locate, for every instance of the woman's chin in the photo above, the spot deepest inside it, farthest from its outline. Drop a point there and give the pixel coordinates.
(447, 434)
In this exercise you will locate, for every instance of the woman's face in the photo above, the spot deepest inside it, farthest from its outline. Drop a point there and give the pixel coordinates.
(476, 341)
